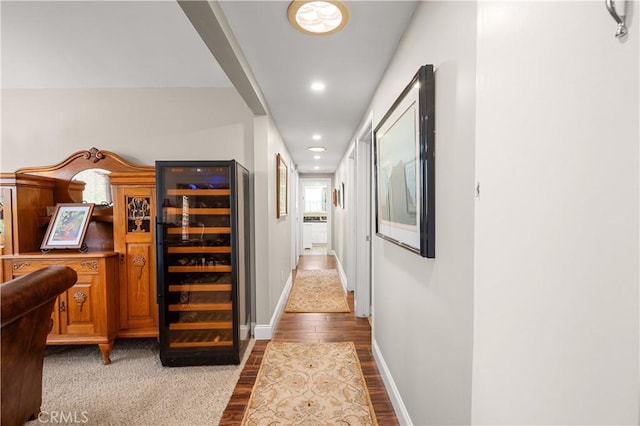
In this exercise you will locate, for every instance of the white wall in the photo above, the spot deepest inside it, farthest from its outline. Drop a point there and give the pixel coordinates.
(274, 235)
(422, 308)
(44, 126)
(261, 184)
(557, 257)
(279, 229)
(339, 218)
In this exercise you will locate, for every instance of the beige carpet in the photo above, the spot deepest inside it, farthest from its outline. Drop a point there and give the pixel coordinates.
(134, 389)
(309, 384)
(317, 291)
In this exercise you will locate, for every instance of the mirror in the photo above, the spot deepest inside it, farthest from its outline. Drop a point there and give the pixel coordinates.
(97, 189)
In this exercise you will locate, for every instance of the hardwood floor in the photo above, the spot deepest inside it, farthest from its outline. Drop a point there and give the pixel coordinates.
(316, 327)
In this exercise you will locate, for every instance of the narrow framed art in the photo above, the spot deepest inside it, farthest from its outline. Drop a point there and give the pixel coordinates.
(404, 156)
(282, 187)
(68, 227)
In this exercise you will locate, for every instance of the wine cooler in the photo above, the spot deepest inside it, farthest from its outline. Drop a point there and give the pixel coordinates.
(203, 262)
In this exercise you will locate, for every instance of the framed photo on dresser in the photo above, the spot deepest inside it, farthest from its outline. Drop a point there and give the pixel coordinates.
(67, 227)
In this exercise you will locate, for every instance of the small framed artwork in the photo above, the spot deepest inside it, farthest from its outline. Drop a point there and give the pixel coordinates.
(282, 189)
(404, 157)
(334, 197)
(68, 227)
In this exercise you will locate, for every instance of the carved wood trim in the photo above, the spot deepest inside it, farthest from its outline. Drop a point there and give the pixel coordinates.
(19, 266)
(83, 160)
(138, 263)
(80, 298)
(93, 265)
(139, 211)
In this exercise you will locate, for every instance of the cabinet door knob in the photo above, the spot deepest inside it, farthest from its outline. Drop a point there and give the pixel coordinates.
(62, 306)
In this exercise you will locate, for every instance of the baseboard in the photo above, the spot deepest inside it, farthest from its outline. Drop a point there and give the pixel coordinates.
(343, 276)
(265, 331)
(389, 384)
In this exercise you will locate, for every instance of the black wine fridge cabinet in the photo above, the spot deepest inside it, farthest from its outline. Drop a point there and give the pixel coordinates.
(203, 262)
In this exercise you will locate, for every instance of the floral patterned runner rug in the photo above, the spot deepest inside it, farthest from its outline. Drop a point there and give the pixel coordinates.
(317, 291)
(309, 384)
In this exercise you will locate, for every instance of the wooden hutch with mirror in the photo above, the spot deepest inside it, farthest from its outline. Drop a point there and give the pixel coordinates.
(115, 295)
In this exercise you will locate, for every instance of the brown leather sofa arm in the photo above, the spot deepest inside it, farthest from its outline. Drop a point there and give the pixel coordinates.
(24, 294)
(26, 304)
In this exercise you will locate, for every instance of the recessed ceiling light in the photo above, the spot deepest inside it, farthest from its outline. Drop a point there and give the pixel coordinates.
(316, 137)
(316, 157)
(316, 167)
(317, 86)
(318, 17)
(317, 148)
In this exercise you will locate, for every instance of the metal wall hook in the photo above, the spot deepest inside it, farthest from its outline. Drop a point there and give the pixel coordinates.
(621, 31)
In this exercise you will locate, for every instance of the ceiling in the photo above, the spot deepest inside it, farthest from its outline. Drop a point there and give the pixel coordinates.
(126, 44)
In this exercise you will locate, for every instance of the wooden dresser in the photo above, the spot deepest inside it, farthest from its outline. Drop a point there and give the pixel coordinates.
(85, 313)
(115, 295)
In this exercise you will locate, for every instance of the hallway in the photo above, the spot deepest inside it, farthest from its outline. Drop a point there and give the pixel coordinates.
(316, 327)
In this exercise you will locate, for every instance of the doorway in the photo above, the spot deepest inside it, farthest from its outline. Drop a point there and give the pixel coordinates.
(316, 220)
(361, 172)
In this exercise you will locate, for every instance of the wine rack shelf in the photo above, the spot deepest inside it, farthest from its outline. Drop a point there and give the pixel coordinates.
(199, 192)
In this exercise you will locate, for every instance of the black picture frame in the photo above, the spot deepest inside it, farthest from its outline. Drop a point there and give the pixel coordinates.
(404, 167)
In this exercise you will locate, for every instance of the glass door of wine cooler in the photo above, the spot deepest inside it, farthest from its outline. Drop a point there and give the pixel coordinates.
(197, 263)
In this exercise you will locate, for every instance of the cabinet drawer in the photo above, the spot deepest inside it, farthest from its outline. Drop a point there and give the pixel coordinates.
(84, 266)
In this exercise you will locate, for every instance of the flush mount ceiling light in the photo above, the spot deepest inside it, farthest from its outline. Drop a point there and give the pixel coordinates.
(317, 86)
(317, 148)
(318, 17)
(316, 137)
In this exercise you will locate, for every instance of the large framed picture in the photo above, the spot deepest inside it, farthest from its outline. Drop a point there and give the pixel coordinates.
(282, 189)
(404, 156)
(67, 227)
